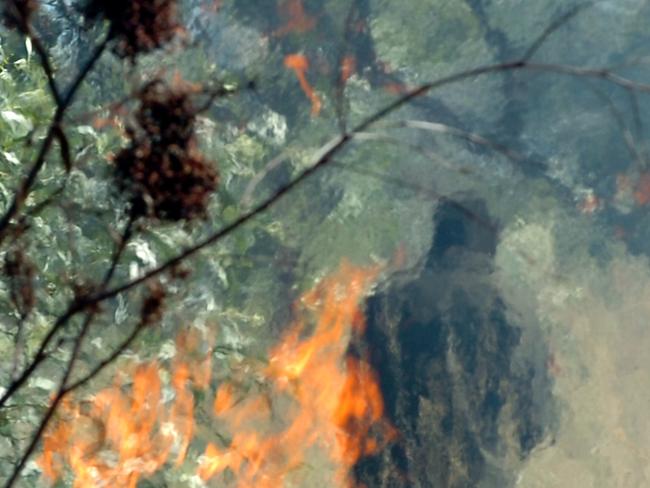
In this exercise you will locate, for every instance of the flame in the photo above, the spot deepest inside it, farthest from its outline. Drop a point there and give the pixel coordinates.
(330, 402)
(348, 67)
(310, 401)
(126, 432)
(300, 64)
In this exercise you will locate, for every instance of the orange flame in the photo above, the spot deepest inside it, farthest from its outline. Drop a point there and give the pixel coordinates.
(331, 403)
(300, 64)
(125, 433)
(310, 399)
(348, 68)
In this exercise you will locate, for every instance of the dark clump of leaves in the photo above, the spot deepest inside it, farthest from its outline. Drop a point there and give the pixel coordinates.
(162, 169)
(166, 116)
(153, 304)
(21, 274)
(138, 26)
(18, 13)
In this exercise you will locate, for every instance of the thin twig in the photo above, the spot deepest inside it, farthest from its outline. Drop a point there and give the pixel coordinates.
(247, 196)
(628, 137)
(219, 91)
(332, 148)
(638, 126)
(336, 145)
(604, 74)
(47, 66)
(339, 81)
(555, 25)
(107, 361)
(460, 133)
(36, 436)
(416, 148)
(419, 189)
(63, 388)
(53, 132)
(75, 307)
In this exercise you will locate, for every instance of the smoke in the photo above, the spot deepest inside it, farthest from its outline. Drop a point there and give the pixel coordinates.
(592, 312)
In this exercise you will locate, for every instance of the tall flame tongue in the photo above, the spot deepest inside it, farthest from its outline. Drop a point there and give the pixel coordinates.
(311, 398)
(329, 402)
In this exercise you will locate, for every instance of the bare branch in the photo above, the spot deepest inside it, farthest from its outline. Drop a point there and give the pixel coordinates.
(336, 145)
(638, 127)
(332, 148)
(78, 344)
(628, 137)
(604, 74)
(36, 436)
(220, 91)
(462, 134)
(75, 307)
(554, 26)
(416, 148)
(247, 197)
(53, 131)
(107, 361)
(47, 67)
(339, 73)
(420, 189)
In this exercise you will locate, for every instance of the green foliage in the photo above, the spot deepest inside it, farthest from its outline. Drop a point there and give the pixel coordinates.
(380, 195)
(439, 32)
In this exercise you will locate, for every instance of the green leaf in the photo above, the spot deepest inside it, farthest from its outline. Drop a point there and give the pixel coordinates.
(28, 47)
(18, 124)
(87, 130)
(10, 157)
(230, 213)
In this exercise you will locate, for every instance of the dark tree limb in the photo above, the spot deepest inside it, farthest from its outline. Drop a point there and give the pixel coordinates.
(75, 307)
(336, 145)
(88, 303)
(54, 132)
(47, 67)
(63, 388)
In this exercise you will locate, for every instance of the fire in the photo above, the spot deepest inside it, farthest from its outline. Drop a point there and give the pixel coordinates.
(310, 402)
(126, 432)
(300, 64)
(348, 68)
(331, 402)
